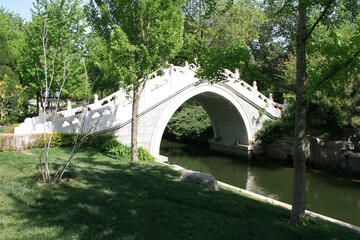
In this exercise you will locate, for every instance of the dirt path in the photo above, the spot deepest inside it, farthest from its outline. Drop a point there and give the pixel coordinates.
(26, 152)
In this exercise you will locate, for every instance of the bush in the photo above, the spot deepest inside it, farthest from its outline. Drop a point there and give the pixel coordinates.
(8, 128)
(104, 142)
(189, 122)
(275, 129)
(115, 149)
(68, 140)
(144, 155)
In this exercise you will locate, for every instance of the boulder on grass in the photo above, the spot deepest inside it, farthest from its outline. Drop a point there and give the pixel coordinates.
(199, 178)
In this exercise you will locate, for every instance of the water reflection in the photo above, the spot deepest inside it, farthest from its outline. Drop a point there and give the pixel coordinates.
(328, 195)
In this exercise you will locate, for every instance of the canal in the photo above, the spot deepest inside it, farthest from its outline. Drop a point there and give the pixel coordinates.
(329, 195)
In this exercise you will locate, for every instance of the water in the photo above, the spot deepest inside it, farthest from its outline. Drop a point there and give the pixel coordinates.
(328, 195)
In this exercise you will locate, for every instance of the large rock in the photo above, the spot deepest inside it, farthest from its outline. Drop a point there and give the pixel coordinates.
(199, 178)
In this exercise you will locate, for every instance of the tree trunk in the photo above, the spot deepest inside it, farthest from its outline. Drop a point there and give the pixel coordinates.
(37, 104)
(299, 186)
(2, 112)
(134, 124)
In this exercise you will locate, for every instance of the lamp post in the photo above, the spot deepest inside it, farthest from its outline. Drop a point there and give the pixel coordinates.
(51, 100)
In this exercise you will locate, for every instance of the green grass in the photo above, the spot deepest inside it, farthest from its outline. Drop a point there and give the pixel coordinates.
(115, 199)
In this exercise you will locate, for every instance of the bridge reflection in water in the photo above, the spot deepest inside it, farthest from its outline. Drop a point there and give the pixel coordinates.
(328, 195)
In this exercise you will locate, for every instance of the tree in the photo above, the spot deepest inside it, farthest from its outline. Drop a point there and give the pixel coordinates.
(51, 59)
(218, 24)
(84, 127)
(332, 61)
(10, 96)
(306, 83)
(141, 37)
(11, 39)
(65, 24)
(98, 66)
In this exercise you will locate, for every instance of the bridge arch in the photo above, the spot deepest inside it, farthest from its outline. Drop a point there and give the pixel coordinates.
(231, 124)
(233, 108)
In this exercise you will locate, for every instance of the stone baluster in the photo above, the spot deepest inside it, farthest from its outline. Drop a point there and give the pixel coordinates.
(117, 97)
(41, 117)
(96, 101)
(271, 103)
(237, 73)
(255, 89)
(284, 106)
(170, 76)
(271, 98)
(68, 108)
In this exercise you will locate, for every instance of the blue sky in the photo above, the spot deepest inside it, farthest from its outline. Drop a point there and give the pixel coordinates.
(22, 7)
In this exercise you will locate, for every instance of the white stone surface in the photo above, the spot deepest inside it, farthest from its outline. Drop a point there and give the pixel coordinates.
(232, 106)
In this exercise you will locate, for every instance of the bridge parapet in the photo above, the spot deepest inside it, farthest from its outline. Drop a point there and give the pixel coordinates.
(114, 111)
(251, 93)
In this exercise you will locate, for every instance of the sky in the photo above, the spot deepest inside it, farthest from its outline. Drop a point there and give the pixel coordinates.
(22, 7)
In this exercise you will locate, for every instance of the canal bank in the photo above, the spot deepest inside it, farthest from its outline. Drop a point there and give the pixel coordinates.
(164, 160)
(341, 157)
(332, 196)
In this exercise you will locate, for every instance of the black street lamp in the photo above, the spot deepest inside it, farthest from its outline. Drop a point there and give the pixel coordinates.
(52, 100)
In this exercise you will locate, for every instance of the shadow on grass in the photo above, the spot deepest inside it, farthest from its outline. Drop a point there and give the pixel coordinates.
(113, 199)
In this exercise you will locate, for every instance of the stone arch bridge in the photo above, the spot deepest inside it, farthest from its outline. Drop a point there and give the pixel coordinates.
(233, 107)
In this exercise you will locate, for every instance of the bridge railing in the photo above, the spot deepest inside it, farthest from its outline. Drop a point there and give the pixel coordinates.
(251, 93)
(116, 108)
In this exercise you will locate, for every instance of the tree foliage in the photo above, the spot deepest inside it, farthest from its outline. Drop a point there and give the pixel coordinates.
(11, 39)
(141, 37)
(189, 122)
(10, 96)
(218, 24)
(98, 65)
(65, 40)
(323, 57)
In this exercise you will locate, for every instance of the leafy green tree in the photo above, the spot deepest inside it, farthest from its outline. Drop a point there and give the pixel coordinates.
(65, 39)
(141, 37)
(98, 66)
(342, 57)
(218, 24)
(326, 49)
(10, 94)
(11, 39)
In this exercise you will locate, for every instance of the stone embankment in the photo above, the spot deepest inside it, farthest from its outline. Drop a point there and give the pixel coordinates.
(337, 156)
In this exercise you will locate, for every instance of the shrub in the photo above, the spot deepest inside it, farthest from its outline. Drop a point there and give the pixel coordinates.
(8, 128)
(274, 129)
(144, 155)
(68, 140)
(190, 121)
(107, 145)
(116, 150)
(119, 151)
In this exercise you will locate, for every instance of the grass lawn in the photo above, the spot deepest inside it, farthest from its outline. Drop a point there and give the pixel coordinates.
(115, 199)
